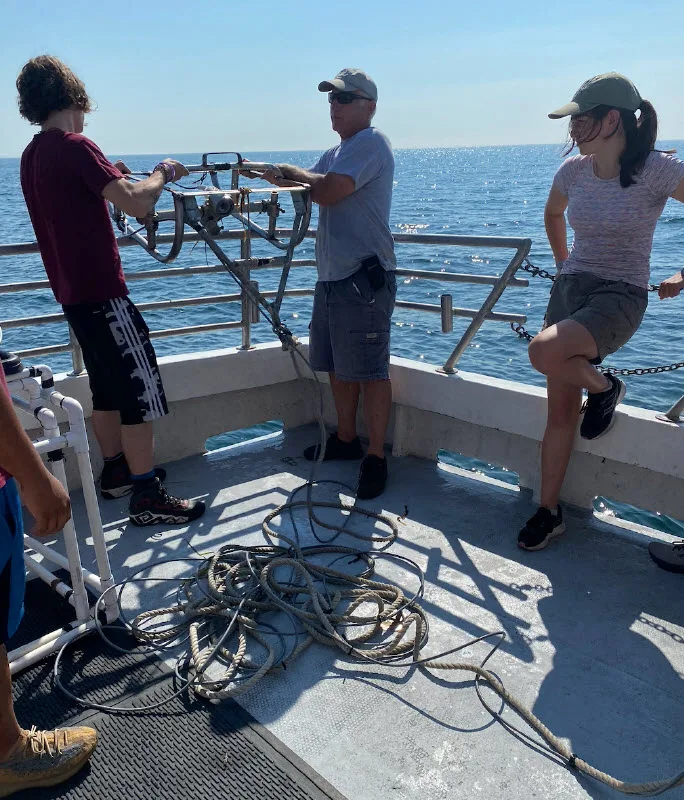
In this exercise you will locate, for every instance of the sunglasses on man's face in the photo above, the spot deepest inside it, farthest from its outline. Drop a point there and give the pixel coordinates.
(344, 98)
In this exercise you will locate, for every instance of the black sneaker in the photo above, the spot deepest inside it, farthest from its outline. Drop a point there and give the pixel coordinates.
(11, 363)
(336, 450)
(541, 528)
(599, 414)
(116, 481)
(372, 477)
(668, 556)
(154, 506)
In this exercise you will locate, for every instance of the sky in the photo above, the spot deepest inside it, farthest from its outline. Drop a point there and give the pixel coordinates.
(188, 77)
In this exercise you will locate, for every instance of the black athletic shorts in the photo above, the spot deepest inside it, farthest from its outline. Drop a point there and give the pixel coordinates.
(121, 362)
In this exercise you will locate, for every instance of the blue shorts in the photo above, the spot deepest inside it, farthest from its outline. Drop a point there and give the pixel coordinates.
(12, 570)
(350, 327)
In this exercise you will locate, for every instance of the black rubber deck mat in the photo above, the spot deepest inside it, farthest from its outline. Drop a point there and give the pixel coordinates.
(189, 749)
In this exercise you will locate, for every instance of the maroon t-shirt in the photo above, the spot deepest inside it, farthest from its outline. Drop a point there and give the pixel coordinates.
(62, 176)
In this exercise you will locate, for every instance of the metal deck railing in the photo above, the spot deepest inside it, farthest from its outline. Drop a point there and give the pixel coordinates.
(445, 308)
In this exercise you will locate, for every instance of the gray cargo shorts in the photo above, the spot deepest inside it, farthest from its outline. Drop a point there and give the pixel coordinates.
(350, 327)
(610, 310)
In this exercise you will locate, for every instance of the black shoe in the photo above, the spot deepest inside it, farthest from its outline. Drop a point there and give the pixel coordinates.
(11, 363)
(154, 505)
(372, 477)
(336, 450)
(541, 528)
(668, 556)
(599, 414)
(116, 480)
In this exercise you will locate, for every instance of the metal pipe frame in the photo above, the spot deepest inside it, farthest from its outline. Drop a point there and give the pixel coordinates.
(441, 239)
(205, 269)
(185, 209)
(246, 305)
(246, 286)
(468, 313)
(150, 243)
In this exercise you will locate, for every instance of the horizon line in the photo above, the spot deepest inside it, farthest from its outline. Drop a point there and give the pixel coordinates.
(396, 149)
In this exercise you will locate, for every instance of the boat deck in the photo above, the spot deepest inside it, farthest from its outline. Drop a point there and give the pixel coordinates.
(594, 633)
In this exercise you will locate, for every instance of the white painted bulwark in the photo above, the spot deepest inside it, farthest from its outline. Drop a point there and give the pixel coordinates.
(502, 422)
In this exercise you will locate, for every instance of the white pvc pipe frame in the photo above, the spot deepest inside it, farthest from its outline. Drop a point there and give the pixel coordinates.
(37, 382)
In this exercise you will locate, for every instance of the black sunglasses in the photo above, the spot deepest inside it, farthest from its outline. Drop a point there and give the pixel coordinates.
(344, 98)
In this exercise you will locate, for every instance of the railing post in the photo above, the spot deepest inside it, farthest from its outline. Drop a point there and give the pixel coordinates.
(246, 252)
(487, 306)
(76, 353)
(446, 301)
(254, 308)
(673, 414)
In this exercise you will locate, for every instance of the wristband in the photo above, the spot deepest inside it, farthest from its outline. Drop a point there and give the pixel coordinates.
(167, 169)
(163, 170)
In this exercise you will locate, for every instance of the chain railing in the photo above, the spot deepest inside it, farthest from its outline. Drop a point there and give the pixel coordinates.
(523, 333)
(538, 272)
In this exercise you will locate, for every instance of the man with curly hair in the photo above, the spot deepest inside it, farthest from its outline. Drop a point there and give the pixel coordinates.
(66, 178)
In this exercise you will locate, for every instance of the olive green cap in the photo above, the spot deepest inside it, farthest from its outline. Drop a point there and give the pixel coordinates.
(610, 89)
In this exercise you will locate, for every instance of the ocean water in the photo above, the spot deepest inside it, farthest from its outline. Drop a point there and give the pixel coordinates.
(497, 191)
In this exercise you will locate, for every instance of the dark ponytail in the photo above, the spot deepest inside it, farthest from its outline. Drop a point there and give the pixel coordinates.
(640, 138)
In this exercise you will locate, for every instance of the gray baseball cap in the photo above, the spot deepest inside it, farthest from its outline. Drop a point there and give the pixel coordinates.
(609, 89)
(351, 80)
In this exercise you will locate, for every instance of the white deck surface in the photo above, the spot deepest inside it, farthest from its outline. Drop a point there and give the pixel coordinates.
(595, 635)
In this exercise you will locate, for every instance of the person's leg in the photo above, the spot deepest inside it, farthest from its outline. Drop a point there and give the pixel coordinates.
(561, 424)
(344, 444)
(10, 732)
(360, 333)
(27, 758)
(107, 426)
(12, 580)
(563, 352)
(564, 403)
(124, 377)
(138, 447)
(346, 396)
(377, 406)
(30, 759)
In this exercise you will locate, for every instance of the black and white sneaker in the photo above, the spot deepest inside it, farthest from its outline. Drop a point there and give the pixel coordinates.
(668, 556)
(541, 528)
(599, 413)
(116, 480)
(153, 505)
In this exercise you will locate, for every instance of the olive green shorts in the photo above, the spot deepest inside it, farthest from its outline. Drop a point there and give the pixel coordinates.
(610, 310)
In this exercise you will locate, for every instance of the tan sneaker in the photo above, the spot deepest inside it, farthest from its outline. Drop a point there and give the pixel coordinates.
(45, 758)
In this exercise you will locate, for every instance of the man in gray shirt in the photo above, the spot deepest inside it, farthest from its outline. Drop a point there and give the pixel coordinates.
(356, 288)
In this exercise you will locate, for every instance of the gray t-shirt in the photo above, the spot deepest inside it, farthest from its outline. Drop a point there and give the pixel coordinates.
(614, 226)
(358, 226)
